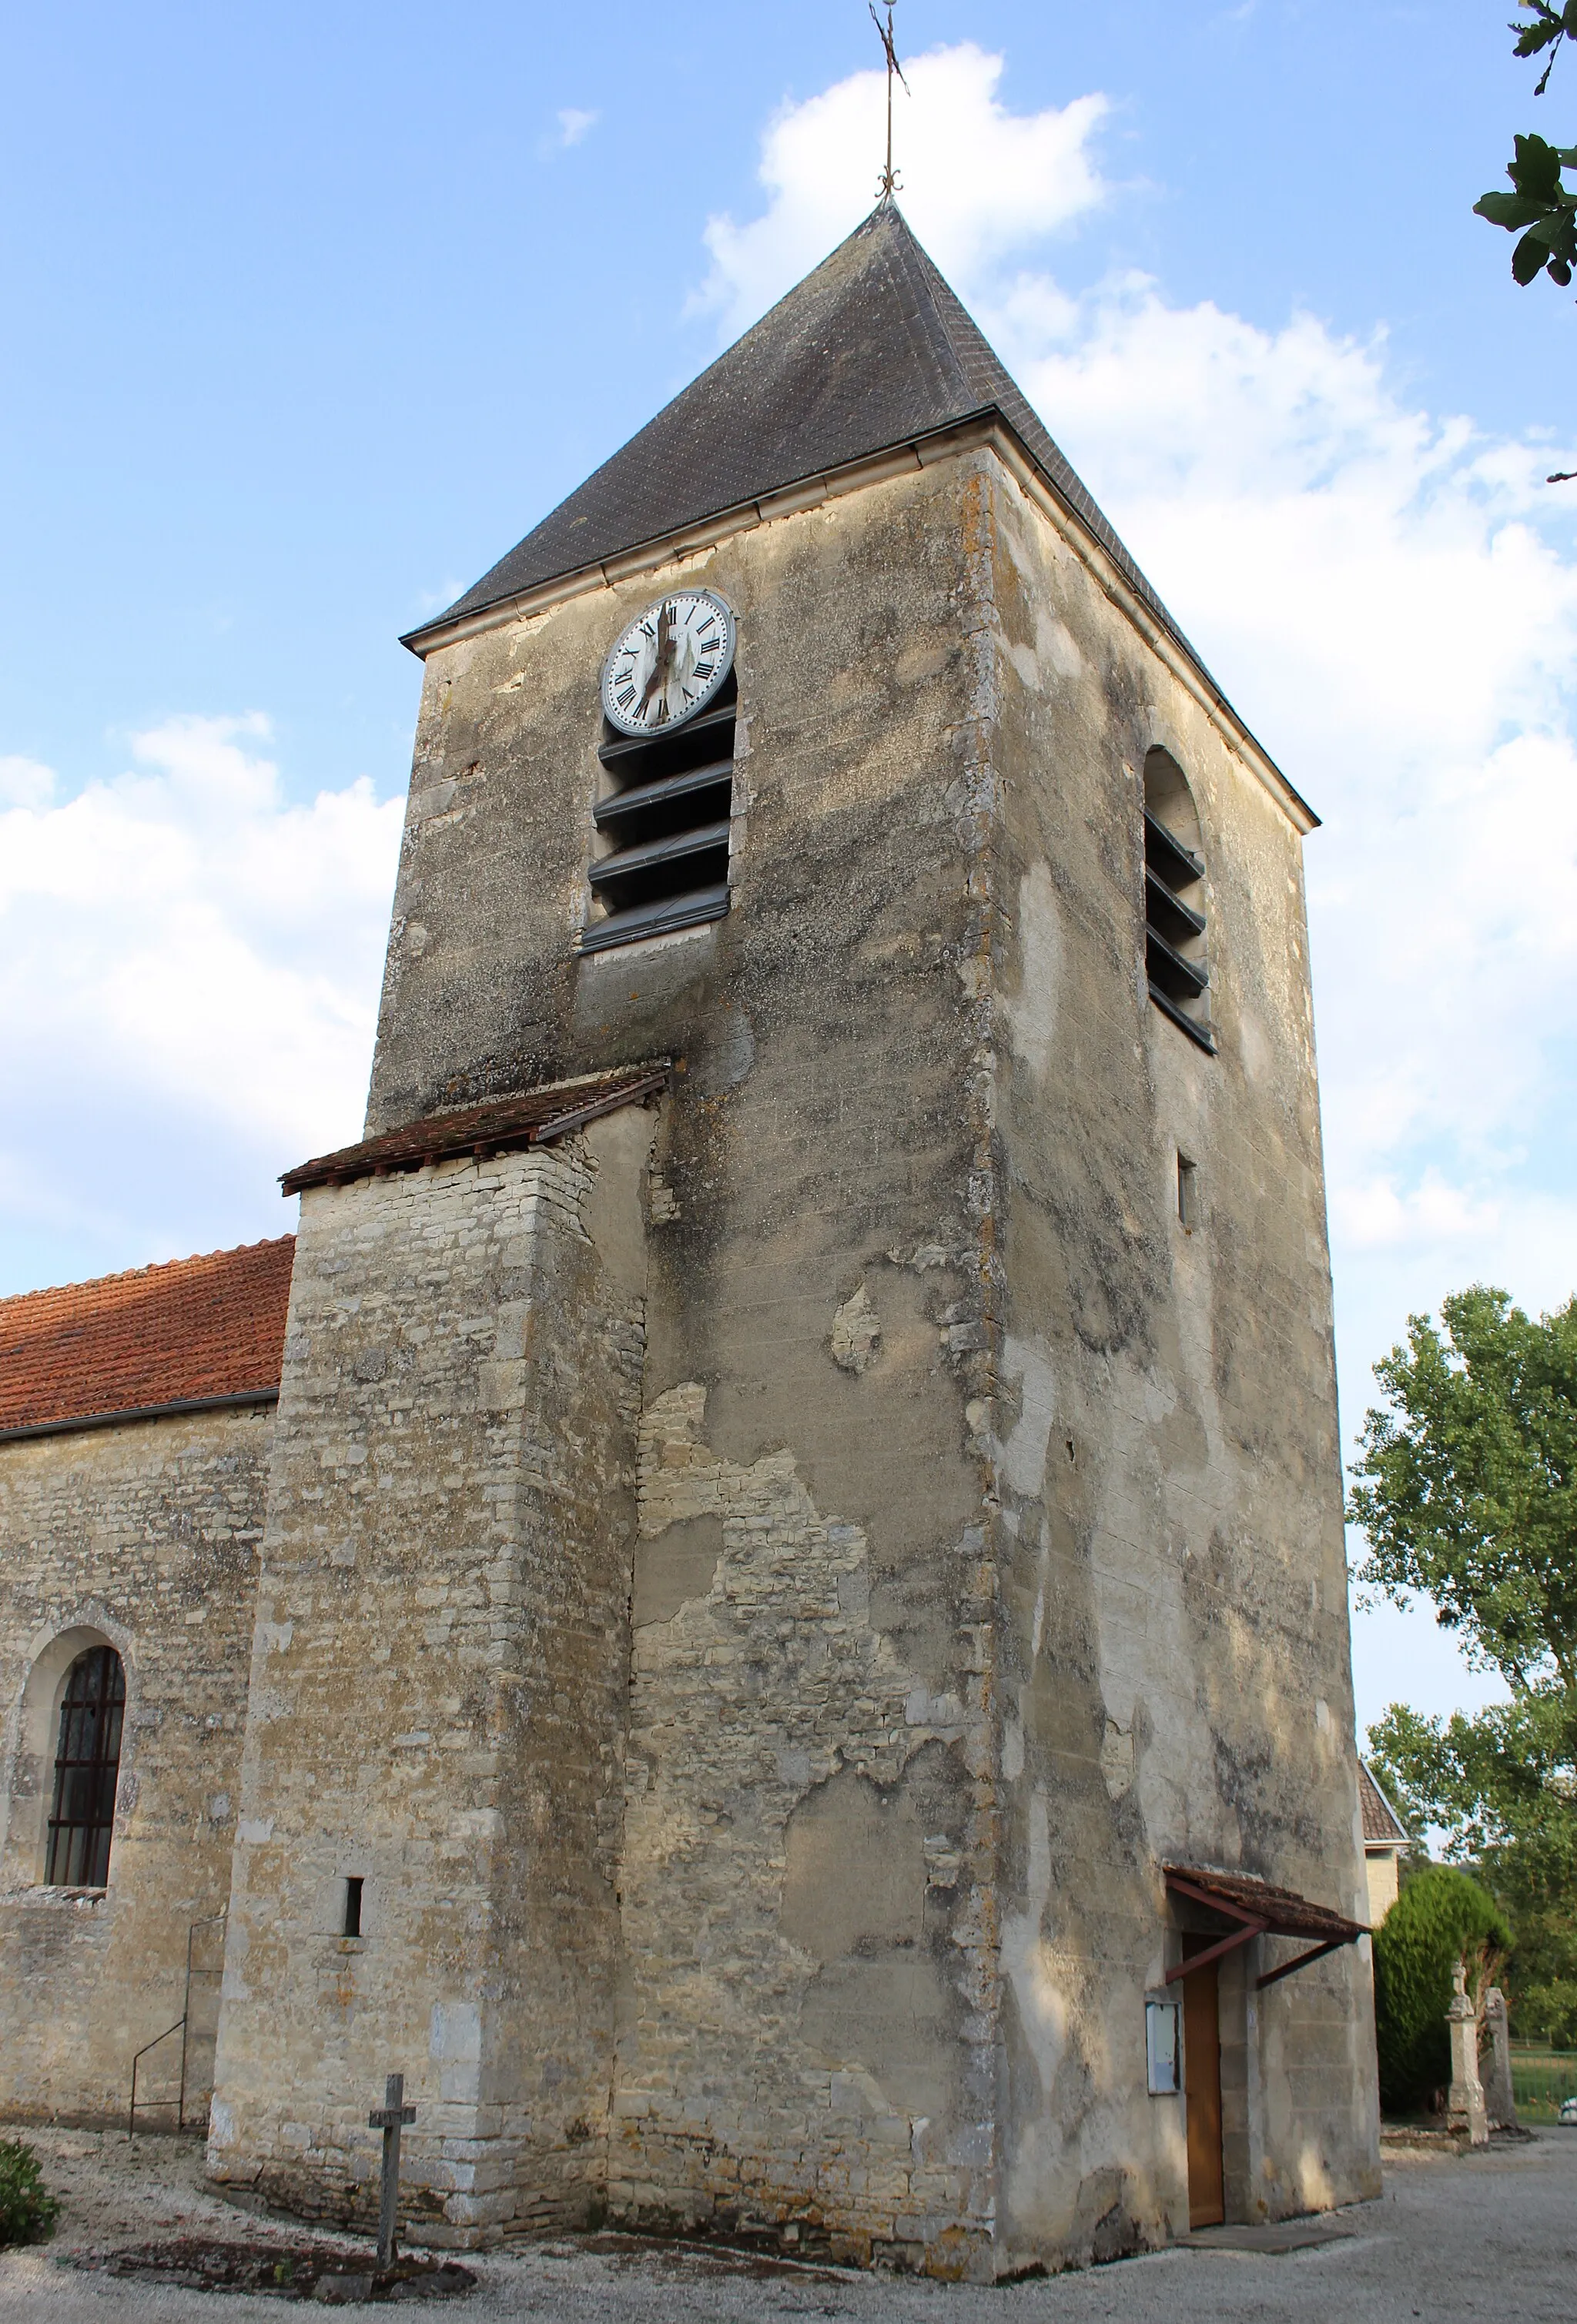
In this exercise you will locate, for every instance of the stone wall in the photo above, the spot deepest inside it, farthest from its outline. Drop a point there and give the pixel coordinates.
(989, 1544)
(1174, 1660)
(1383, 1883)
(811, 1673)
(438, 1694)
(144, 1537)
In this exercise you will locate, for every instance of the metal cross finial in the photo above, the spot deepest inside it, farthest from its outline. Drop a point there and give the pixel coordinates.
(887, 184)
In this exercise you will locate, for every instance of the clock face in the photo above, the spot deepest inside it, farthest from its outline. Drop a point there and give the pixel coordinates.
(668, 663)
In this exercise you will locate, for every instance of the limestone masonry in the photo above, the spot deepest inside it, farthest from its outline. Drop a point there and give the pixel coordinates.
(789, 1619)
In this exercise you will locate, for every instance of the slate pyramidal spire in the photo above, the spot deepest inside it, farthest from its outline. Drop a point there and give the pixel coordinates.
(871, 351)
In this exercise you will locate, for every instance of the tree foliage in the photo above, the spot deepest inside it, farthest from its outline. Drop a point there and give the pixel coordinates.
(1440, 1917)
(1466, 1488)
(1469, 1486)
(1539, 210)
(1501, 1787)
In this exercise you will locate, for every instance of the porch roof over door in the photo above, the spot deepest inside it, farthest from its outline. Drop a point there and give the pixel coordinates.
(1258, 1910)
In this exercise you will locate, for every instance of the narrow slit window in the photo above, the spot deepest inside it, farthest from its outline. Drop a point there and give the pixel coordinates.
(352, 1907)
(666, 791)
(1175, 963)
(87, 1767)
(1187, 1193)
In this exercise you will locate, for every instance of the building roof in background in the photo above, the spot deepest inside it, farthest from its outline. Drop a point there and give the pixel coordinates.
(1381, 1825)
(195, 1331)
(869, 352)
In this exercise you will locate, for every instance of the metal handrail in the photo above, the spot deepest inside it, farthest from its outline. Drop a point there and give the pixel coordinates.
(180, 2026)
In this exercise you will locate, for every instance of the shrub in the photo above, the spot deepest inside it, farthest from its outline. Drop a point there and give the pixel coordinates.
(27, 2214)
(1440, 1917)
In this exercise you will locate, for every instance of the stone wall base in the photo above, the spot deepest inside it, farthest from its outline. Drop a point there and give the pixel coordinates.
(858, 2208)
(432, 2218)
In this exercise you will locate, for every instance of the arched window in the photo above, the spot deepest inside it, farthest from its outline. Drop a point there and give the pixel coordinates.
(86, 1763)
(1174, 919)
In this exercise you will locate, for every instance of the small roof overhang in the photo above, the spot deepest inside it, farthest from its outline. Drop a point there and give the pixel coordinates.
(1258, 1910)
(503, 1125)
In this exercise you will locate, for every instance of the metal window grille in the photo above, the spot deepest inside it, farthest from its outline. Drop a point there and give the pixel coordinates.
(86, 1763)
(665, 817)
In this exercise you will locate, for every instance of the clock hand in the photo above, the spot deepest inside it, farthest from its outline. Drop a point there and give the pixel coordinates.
(658, 680)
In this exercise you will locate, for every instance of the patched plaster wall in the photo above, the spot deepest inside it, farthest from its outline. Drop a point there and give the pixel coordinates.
(1173, 1642)
(143, 1537)
(816, 1613)
(988, 1542)
(801, 2039)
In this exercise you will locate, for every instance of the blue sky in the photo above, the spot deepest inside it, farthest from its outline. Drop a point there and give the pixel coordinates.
(311, 313)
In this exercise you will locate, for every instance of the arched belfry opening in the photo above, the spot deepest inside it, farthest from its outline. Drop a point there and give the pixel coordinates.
(1175, 959)
(87, 1767)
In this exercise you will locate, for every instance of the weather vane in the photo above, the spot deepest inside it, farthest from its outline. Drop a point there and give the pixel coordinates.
(888, 181)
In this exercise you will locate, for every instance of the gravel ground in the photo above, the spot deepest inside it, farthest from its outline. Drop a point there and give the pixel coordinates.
(1493, 2235)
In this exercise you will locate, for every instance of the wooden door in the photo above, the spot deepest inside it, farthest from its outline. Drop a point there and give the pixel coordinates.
(1202, 2084)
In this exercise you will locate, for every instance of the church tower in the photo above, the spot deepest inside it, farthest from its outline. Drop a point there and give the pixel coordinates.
(803, 1579)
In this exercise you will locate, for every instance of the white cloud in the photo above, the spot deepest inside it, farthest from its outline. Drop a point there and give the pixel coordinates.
(184, 947)
(1379, 1215)
(24, 782)
(978, 181)
(574, 124)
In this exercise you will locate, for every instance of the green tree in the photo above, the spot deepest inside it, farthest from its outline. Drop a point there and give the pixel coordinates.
(1467, 1487)
(1466, 1492)
(1440, 1917)
(1539, 210)
(1499, 1786)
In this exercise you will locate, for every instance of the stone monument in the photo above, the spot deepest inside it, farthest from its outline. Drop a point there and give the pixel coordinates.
(1464, 2109)
(1499, 2104)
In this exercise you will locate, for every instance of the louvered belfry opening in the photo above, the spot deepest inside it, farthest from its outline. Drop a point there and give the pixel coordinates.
(87, 1766)
(664, 813)
(1174, 919)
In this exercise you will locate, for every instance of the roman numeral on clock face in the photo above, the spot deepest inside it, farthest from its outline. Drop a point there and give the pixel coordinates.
(668, 663)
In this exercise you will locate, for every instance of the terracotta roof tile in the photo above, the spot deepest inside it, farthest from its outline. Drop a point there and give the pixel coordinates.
(534, 1118)
(1282, 1910)
(193, 1329)
(1380, 1821)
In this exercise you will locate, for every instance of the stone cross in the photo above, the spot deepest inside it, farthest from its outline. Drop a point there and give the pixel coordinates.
(388, 2118)
(1464, 2106)
(1499, 2102)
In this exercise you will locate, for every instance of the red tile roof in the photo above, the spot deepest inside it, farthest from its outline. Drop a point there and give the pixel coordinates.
(194, 1330)
(1281, 1910)
(503, 1125)
(1379, 1823)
